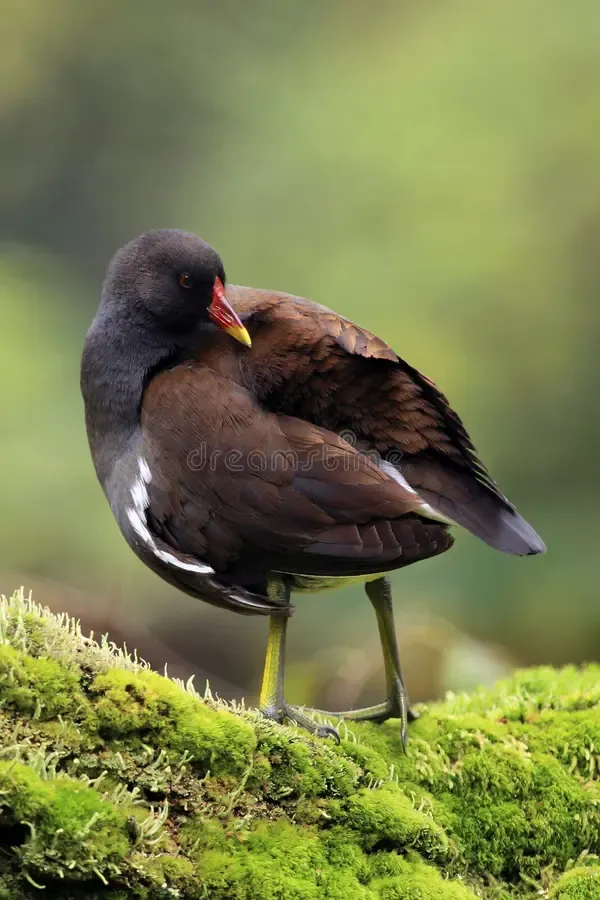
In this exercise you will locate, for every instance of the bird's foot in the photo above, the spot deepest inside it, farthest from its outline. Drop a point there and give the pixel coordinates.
(397, 706)
(298, 715)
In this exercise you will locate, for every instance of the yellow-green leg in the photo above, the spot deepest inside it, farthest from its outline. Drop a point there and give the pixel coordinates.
(272, 701)
(397, 704)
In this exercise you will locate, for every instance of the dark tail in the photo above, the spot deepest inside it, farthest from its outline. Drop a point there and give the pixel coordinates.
(465, 501)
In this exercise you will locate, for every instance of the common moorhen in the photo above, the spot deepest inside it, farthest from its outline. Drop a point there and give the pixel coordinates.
(301, 455)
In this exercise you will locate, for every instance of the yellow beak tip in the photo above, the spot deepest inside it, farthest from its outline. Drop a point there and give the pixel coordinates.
(239, 333)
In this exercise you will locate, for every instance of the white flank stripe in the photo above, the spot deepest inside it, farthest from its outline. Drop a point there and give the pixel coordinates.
(424, 508)
(137, 516)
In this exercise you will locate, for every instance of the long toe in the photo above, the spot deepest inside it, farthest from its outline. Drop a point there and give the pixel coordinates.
(298, 716)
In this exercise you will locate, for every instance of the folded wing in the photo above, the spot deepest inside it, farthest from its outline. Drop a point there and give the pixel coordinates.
(333, 372)
(258, 492)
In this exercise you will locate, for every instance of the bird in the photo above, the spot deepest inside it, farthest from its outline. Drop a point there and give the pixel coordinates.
(254, 444)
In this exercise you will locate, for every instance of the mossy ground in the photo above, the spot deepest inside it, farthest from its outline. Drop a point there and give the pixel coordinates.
(117, 782)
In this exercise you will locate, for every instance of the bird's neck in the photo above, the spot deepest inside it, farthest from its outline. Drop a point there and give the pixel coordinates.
(118, 361)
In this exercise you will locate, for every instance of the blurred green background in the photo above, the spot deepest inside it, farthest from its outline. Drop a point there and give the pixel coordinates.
(431, 170)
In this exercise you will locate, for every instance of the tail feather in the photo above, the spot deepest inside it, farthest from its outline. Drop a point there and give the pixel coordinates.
(464, 501)
(515, 535)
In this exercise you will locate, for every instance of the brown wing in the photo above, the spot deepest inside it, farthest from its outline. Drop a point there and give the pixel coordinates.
(328, 370)
(256, 492)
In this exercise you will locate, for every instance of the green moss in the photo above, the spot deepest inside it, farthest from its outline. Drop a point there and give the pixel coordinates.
(368, 760)
(416, 881)
(115, 781)
(279, 862)
(152, 708)
(300, 767)
(37, 685)
(529, 691)
(71, 827)
(387, 816)
(578, 884)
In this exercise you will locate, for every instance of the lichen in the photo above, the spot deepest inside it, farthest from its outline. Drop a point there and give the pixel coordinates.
(115, 781)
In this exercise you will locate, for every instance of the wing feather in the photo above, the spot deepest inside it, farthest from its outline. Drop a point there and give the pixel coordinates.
(325, 369)
(275, 493)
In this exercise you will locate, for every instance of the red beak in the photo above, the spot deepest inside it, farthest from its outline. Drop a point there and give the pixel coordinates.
(222, 314)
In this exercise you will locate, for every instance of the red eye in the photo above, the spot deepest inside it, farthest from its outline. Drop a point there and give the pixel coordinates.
(185, 280)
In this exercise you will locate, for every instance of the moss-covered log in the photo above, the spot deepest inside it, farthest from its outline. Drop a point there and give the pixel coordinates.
(117, 782)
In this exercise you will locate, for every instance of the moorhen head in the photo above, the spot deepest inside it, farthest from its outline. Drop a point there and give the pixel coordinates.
(252, 443)
(173, 283)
